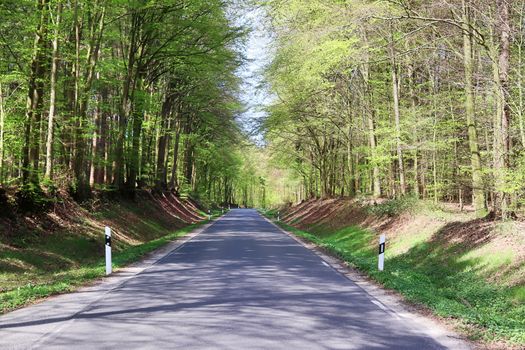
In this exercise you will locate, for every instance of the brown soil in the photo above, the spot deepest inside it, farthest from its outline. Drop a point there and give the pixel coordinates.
(124, 215)
(458, 230)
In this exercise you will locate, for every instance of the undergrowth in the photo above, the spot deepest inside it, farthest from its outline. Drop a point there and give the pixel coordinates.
(393, 207)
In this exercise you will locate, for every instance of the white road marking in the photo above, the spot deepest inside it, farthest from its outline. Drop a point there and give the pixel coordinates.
(381, 306)
(325, 264)
(384, 308)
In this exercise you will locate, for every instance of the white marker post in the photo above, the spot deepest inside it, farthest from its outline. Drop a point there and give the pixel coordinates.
(278, 216)
(108, 251)
(209, 214)
(381, 262)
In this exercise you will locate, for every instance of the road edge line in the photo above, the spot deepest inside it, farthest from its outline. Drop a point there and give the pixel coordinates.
(163, 251)
(390, 299)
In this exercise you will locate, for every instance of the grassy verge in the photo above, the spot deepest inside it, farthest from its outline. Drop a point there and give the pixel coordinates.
(436, 276)
(55, 282)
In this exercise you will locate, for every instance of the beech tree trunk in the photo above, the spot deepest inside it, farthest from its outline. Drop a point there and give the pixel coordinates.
(2, 125)
(52, 94)
(478, 191)
(173, 181)
(395, 95)
(34, 101)
(501, 132)
(369, 117)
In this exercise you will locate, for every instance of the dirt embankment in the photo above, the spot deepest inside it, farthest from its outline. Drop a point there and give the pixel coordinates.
(36, 246)
(120, 213)
(496, 248)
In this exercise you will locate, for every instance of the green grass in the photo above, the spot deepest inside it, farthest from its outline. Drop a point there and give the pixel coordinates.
(272, 213)
(49, 280)
(440, 276)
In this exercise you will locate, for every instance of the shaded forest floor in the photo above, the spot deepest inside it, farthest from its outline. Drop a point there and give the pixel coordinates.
(55, 251)
(468, 271)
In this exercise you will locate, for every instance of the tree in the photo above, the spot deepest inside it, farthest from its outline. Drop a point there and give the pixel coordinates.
(432, 84)
(478, 193)
(53, 92)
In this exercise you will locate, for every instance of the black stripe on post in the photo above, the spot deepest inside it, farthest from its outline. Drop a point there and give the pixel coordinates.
(381, 248)
(108, 241)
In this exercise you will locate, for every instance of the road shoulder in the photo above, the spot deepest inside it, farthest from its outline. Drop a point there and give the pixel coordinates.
(48, 316)
(388, 300)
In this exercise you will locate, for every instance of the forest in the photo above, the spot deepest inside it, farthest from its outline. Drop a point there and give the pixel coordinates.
(121, 95)
(368, 98)
(401, 98)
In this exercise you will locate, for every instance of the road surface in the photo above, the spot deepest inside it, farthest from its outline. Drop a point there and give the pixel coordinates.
(240, 284)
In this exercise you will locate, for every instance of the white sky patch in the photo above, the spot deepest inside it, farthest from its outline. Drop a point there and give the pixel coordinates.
(258, 51)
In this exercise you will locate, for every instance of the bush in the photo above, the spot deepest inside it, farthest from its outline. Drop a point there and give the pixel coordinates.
(393, 207)
(81, 191)
(3, 197)
(31, 198)
(4, 203)
(51, 188)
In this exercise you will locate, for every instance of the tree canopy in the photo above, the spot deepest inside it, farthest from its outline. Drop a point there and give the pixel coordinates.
(395, 98)
(371, 98)
(121, 95)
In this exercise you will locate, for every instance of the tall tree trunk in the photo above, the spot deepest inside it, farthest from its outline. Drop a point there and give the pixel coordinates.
(94, 143)
(502, 141)
(395, 95)
(138, 118)
(76, 86)
(368, 112)
(350, 163)
(413, 104)
(52, 94)
(434, 160)
(109, 149)
(478, 191)
(369, 117)
(433, 78)
(161, 173)
(188, 163)
(124, 107)
(188, 152)
(34, 101)
(99, 141)
(521, 104)
(79, 163)
(173, 181)
(2, 125)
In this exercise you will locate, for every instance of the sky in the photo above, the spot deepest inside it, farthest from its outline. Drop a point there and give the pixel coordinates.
(258, 53)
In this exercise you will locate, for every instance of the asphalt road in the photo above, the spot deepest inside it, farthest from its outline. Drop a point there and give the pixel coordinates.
(240, 284)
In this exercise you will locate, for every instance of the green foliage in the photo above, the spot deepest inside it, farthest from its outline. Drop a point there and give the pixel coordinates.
(31, 198)
(366, 106)
(393, 207)
(178, 85)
